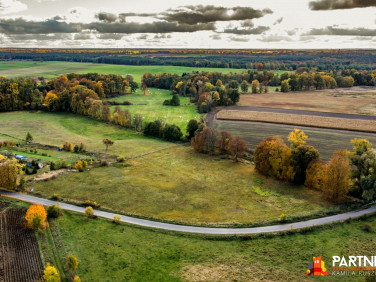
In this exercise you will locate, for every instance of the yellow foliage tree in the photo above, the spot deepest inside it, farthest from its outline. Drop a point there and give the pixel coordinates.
(315, 174)
(51, 100)
(336, 183)
(51, 274)
(36, 216)
(297, 138)
(8, 173)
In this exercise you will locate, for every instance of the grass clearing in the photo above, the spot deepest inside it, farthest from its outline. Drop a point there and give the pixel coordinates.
(120, 252)
(180, 185)
(299, 120)
(53, 69)
(57, 128)
(151, 107)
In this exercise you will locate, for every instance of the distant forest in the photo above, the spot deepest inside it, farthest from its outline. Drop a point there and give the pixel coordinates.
(320, 60)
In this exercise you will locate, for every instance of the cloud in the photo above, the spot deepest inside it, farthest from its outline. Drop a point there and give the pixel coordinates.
(274, 38)
(340, 4)
(110, 36)
(256, 30)
(81, 36)
(11, 6)
(106, 17)
(278, 21)
(39, 37)
(215, 37)
(209, 14)
(342, 31)
(22, 26)
(239, 39)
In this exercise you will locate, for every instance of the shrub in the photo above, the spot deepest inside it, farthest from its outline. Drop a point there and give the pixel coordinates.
(90, 203)
(120, 159)
(171, 132)
(54, 211)
(175, 101)
(191, 128)
(367, 227)
(55, 197)
(76, 279)
(283, 218)
(153, 128)
(68, 147)
(21, 186)
(72, 262)
(53, 166)
(104, 163)
(89, 212)
(116, 219)
(166, 102)
(36, 216)
(51, 274)
(80, 165)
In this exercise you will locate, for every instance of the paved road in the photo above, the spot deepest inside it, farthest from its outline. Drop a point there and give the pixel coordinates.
(195, 229)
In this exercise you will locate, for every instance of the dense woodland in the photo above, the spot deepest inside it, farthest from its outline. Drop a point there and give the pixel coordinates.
(322, 60)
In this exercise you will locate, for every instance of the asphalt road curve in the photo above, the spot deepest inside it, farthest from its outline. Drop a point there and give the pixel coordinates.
(196, 229)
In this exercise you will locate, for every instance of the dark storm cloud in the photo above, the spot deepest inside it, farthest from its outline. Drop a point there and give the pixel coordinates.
(156, 27)
(39, 37)
(340, 4)
(110, 36)
(106, 17)
(209, 14)
(256, 30)
(21, 26)
(342, 31)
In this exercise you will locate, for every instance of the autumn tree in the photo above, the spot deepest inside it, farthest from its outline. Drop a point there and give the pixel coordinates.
(224, 142)
(336, 182)
(51, 101)
(285, 86)
(274, 158)
(237, 147)
(8, 173)
(107, 142)
(255, 86)
(50, 274)
(205, 140)
(36, 216)
(315, 174)
(297, 138)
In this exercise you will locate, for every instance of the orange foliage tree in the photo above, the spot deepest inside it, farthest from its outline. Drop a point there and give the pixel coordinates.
(36, 216)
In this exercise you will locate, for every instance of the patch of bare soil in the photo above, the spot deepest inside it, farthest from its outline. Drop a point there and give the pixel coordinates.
(52, 174)
(19, 255)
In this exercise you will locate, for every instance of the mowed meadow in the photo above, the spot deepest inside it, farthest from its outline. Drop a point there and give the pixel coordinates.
(53, 69)
(57, 128)
(150, 106)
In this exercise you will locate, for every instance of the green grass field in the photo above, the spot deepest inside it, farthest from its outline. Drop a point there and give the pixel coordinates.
(56, 129)
(109, 252)
(180, 185)
(53, 69)
(151, 107)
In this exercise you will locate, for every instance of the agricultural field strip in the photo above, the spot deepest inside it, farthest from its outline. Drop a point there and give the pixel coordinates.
(195, 229)
(298, 119)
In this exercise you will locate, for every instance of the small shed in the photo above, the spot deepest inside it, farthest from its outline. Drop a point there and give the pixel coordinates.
(19, 157)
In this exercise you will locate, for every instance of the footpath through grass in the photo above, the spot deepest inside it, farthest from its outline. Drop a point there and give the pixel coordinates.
(180, 185)
(109, 252)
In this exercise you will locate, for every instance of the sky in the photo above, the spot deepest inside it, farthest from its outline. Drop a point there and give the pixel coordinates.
(248, 24)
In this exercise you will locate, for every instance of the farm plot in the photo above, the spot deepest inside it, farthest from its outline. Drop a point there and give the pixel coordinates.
(356, 100)
(302, 120)
(19, 255)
